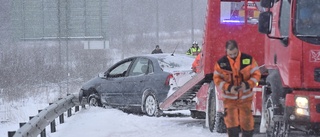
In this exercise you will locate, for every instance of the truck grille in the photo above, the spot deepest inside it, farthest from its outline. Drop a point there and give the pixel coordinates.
(317, 74)
(318, 108)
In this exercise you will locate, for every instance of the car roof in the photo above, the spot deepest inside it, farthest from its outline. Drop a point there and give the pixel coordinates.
(172, 62)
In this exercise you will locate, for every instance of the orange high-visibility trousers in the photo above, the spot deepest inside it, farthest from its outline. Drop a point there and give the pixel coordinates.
(238, 113)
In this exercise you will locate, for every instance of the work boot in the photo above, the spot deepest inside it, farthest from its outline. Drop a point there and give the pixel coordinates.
(247, 133)
(233, 132)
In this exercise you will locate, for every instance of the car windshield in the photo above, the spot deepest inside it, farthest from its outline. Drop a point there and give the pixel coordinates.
(308, 17)
(178, 62)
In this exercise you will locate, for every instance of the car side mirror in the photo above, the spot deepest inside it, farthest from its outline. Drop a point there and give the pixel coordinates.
(106, 74)
(265, 25)
(101, 75)
(267, 3)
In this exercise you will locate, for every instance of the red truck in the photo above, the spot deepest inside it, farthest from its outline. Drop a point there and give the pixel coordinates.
(291, 96)
(288, 94)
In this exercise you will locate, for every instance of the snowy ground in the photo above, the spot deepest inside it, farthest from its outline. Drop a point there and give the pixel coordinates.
(99, 122)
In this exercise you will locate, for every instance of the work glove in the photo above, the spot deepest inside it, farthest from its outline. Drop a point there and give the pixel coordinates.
(233, 90)
(244, 86)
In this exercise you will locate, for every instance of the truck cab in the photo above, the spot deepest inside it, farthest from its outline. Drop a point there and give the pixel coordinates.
(291, 97)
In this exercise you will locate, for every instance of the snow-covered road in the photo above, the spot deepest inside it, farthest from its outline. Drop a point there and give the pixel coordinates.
(100, 122)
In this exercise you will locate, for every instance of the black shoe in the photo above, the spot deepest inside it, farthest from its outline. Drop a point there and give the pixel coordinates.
(247, 133)
(233, 132)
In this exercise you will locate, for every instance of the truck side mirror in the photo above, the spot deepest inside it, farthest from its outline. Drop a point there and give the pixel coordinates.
(265, 24)
(267, 3)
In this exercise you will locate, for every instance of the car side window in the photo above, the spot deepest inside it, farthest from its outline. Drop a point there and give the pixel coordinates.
(120, 70)
(139, 67)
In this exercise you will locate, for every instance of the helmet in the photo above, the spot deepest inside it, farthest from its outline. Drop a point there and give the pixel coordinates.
(195, 42)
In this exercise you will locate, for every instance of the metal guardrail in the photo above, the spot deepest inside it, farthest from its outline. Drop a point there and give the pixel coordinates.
(38, 123)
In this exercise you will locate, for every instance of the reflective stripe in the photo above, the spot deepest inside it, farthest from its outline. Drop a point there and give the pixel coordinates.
(221, 84)
(247, 96)
(245, 91)
(217, 73)
(229, 97)
(254, 80)
(235, 97)
(257, 89)
(253, 70)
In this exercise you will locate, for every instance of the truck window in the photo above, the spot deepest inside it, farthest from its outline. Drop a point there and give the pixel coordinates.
(234, 12)
(307, 17)
(284, 18)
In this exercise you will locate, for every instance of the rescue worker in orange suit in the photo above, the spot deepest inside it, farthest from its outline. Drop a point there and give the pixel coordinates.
(236, 74)
(196, 63)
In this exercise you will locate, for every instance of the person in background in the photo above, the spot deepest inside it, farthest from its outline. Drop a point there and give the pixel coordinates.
(236, 74)
(157, 50)
(194, 50)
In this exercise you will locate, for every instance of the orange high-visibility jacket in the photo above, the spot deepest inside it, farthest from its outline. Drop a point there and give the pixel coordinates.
(229, 72)
(196, 64)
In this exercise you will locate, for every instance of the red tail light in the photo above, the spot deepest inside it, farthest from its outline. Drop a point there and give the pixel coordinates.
(168, 79)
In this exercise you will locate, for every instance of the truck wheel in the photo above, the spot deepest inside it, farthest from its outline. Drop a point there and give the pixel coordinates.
(220, 126)
(212, 108)
(268, 114)
(274, 128)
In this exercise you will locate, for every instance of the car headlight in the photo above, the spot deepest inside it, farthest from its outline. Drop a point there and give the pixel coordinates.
(302, 102)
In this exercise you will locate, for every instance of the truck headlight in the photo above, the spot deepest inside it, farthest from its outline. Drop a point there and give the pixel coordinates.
(301, 111)
(302, 102)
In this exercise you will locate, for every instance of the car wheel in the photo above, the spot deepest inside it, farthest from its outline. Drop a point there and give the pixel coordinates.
(94, 100)
(151, 105)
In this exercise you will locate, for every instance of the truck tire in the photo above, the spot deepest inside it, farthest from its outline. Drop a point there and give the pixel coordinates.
(211, 108)
(275, 128)
(273, 107)
(220, 126)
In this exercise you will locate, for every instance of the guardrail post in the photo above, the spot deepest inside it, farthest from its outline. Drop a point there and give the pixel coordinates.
(69, 112)
(11, 133)
(61, 118)
(21, 124)
(76, 108)
(43, 132)
(52, 124)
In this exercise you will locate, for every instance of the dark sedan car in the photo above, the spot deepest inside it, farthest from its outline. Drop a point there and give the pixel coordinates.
(139, 82)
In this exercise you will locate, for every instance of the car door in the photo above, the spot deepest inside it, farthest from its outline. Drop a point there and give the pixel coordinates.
(135, 82)
(114, 81)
